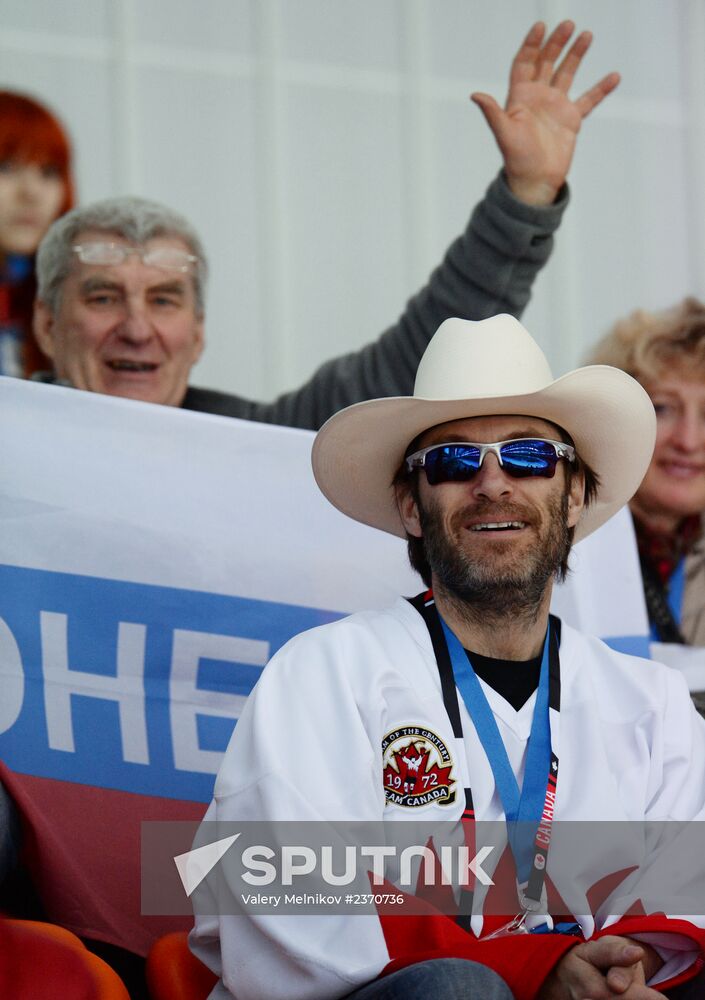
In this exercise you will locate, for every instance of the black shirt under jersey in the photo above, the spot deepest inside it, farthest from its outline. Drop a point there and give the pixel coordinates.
(514, 680)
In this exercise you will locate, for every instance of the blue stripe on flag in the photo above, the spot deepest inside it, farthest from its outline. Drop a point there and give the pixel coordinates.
(185, 659)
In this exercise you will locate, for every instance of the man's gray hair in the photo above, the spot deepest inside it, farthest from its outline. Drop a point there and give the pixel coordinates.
(135, 219)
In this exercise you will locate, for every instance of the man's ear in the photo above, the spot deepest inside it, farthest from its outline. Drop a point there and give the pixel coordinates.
(43, 326)
(576, 498)
(408, 509)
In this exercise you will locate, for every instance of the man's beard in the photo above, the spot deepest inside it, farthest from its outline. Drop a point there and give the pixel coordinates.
(499, 585)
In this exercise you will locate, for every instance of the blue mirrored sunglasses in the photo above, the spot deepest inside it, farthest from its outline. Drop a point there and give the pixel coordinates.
(459, 461)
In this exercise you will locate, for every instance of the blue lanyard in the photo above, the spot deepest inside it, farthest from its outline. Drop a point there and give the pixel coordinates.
(519, 807)
(676, 585)
(674, 597)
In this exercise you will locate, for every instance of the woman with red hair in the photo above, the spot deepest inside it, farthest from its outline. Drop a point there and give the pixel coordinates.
(36, 187)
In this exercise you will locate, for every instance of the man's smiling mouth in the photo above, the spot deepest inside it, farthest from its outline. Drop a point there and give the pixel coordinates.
(498, 526)
(123, 365)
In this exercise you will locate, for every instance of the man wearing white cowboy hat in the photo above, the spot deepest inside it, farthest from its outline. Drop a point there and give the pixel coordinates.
(471, 702)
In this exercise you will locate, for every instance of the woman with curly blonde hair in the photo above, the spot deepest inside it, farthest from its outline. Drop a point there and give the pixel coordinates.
(665, 351)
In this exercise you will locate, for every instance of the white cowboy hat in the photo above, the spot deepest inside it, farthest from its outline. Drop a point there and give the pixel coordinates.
(473, 369)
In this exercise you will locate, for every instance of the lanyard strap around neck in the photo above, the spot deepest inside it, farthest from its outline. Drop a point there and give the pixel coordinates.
(662, 604)
(535, 802)
(676, 586)
(518, 806)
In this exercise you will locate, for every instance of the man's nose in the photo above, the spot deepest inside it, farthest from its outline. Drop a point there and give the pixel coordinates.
(136, 326)
(491, 481)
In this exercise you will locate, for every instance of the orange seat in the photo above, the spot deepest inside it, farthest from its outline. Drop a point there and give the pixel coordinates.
(174, 972)
(41, 961)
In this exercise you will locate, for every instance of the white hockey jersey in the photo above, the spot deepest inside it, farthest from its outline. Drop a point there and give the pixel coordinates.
(314, 742)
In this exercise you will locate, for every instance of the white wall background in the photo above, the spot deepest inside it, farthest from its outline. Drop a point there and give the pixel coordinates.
(328, 153)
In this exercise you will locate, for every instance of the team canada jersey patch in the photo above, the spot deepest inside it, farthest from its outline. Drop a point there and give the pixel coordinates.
(417, 768)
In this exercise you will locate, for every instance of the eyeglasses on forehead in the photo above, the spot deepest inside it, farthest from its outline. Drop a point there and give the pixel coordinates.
(166, 258)
(459, 461)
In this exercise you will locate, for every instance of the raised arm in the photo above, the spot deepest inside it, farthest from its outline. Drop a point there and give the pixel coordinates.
(491, 268)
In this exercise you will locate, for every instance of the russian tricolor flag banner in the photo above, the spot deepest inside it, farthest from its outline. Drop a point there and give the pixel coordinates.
(151, 561)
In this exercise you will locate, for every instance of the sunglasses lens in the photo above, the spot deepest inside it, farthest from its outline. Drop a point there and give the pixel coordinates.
(529, 457)
(452, 463)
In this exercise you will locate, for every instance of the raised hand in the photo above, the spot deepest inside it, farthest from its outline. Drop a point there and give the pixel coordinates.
(538, 127)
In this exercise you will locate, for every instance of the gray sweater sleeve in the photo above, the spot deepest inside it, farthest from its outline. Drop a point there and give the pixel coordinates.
(489, 269)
